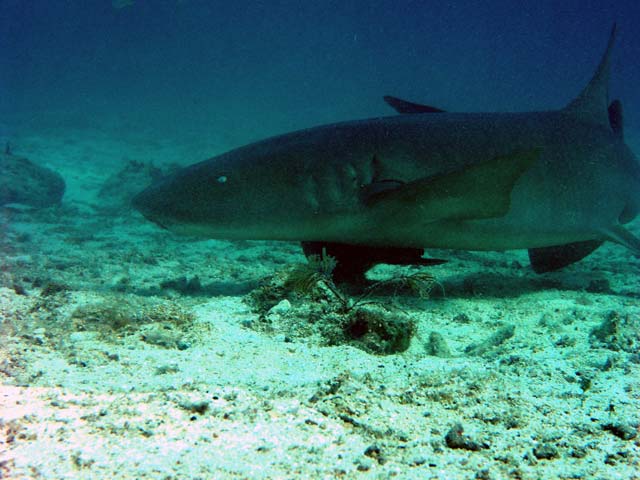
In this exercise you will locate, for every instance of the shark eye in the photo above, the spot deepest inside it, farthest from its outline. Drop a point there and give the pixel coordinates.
(222, 179)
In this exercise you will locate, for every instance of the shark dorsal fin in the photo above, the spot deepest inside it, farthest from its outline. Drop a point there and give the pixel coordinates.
(593, 102)
(403, 106)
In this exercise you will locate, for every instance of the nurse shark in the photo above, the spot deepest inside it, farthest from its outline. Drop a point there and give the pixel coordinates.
(558, 183)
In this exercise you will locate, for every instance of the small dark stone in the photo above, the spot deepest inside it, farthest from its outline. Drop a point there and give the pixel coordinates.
(437, 346)
(372, 451)
(621, 430)
(578, 452)
(585, 383)
(545, 451)
(161, 336)
(512, 360)
(608, 364)
(114, 357)
(614, 458)
(483, 474)
(462, 318)
(455, 438)
(196, 407)
(566, 341)
(164, 369)
(364, 464)
(80, 461)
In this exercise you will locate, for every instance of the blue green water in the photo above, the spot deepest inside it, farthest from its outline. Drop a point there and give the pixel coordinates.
(130, 352)
(250, 69)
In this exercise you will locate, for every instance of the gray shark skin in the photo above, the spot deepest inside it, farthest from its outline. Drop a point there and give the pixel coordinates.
(558, 183)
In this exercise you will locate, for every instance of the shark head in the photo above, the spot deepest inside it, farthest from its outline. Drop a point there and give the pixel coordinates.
(207, 200)
(249, 193)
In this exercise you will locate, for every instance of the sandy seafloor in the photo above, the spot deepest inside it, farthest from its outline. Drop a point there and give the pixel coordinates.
(107, 375)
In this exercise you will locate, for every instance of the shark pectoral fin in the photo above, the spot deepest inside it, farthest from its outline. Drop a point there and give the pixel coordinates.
(403, 106)
(621, 235)
(549, 259)
(481, 190)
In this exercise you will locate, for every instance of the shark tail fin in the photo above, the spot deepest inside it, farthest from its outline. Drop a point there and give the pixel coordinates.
(593, 102)
(621, 235)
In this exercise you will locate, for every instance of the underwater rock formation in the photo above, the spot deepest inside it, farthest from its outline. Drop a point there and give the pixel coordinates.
(24, 182)
(118, 190)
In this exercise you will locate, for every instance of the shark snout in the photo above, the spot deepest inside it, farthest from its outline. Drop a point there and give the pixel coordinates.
(149, 204)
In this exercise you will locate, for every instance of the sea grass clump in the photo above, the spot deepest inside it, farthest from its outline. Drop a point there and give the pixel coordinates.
(318, 308)
(379, 331)
(303, 277)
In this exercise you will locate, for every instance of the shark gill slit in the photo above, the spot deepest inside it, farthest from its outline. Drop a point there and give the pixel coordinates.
(349, 177)
(311, 193)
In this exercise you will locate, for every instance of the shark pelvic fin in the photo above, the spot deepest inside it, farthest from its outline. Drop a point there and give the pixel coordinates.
(480, 190)
(550, 259)
(403, 106)
(593, 102)
(355, 260)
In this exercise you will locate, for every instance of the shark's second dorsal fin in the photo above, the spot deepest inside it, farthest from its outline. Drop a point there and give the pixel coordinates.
(593, 102)
(404, 106)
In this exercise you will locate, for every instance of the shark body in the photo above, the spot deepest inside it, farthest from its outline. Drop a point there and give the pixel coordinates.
(558, 183)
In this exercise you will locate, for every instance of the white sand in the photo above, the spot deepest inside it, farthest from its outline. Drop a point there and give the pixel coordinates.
(79, 401)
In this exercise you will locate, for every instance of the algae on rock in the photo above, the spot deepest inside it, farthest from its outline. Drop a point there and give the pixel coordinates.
(318, 307)
(617, 332)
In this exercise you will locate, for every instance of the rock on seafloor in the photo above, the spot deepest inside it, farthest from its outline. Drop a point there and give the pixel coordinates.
(24, 182)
